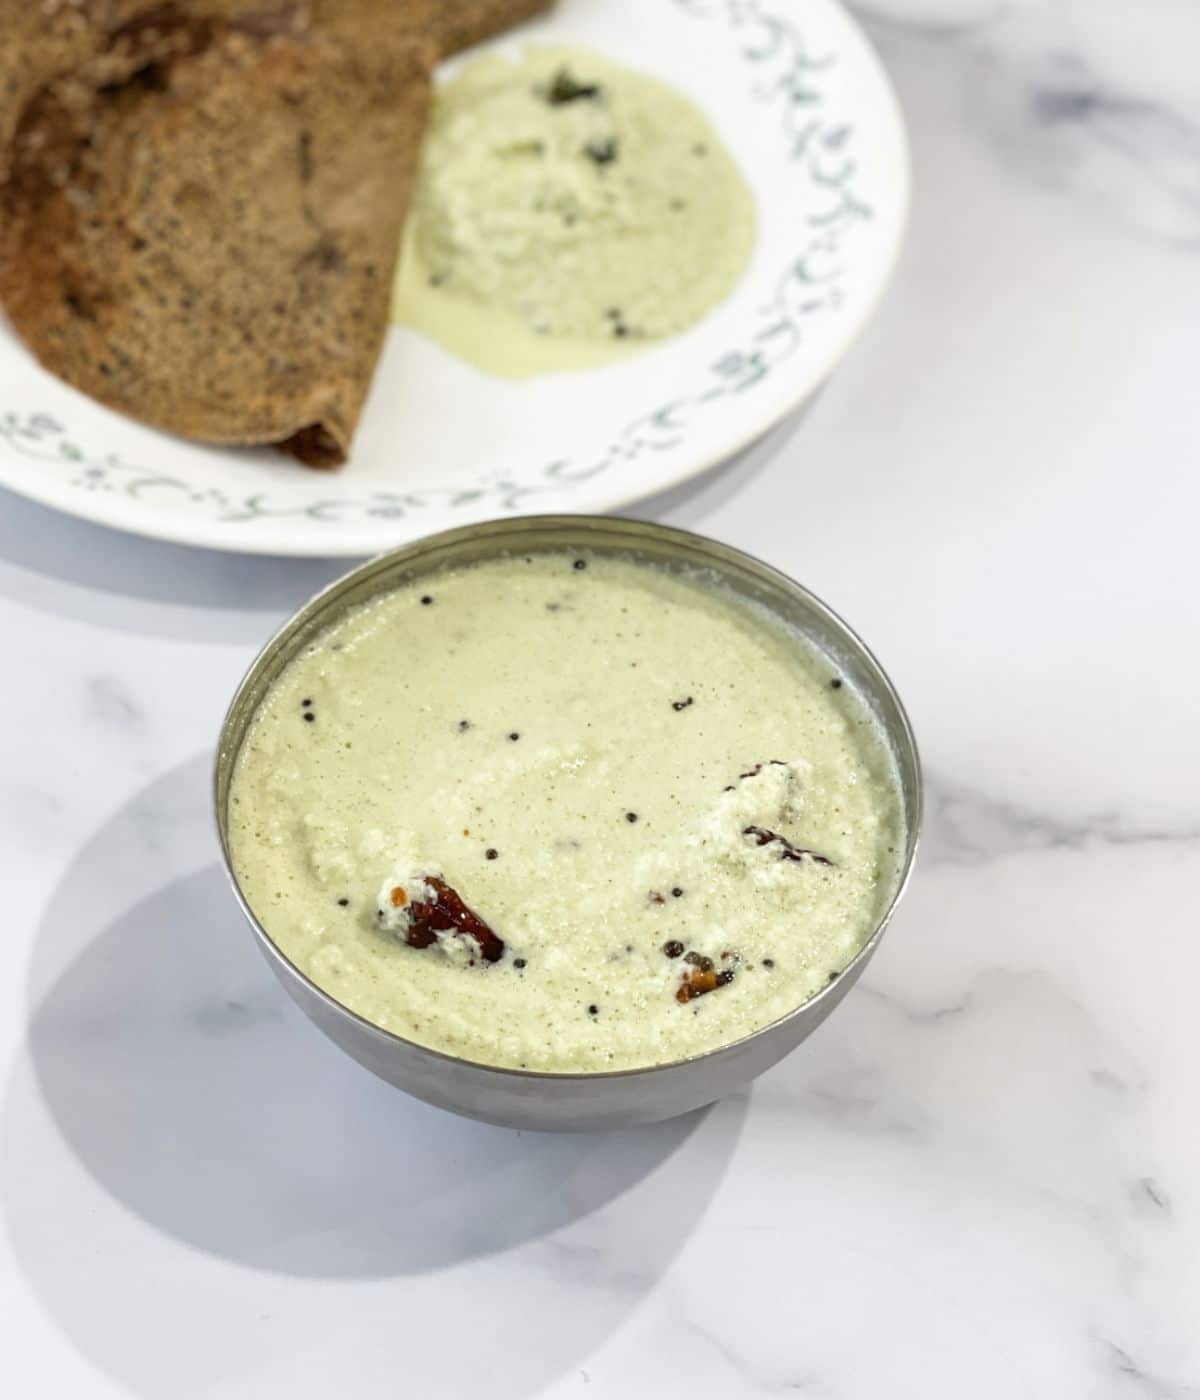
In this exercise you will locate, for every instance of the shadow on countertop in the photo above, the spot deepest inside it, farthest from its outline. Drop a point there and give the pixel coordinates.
(166, 1066)
(72, 568)
(76, 569)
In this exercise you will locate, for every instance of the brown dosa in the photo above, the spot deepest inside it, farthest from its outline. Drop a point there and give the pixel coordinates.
(207, 243)
(450, 25)
(204, 202)
(461, 23)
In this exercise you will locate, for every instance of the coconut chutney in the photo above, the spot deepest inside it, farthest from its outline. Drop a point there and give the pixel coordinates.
(568, 212)
(565, 812)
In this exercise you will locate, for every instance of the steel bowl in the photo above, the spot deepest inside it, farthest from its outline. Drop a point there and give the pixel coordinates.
(612, 1098)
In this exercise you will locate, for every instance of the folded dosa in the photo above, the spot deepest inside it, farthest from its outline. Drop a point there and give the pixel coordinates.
(206, 242)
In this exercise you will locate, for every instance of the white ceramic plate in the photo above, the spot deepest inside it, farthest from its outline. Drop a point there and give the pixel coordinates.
(804, 105)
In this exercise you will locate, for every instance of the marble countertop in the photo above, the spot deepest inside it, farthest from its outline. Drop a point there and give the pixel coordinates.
(982, 1176)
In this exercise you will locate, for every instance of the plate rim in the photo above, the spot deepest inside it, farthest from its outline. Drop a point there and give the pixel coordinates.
(711, 450)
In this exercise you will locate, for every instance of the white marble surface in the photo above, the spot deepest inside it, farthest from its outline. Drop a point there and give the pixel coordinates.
(982, 1177)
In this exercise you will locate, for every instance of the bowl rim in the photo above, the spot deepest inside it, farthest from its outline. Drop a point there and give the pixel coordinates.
(637, 527)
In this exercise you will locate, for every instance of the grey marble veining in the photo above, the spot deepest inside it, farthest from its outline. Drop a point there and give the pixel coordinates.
(982, 1176)
(966, 825)
(1088, 97)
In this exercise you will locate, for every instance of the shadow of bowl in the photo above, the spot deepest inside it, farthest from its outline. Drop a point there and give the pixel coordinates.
(192, 1177)
(196, 1095)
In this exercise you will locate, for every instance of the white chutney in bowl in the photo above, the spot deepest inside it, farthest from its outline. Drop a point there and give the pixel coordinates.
(566, 809)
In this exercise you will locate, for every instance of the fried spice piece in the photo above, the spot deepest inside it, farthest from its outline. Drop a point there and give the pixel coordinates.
(761, 836)
(701, 980)
(701, 976)
(446, 912)
(567, 88)
(756, 770)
